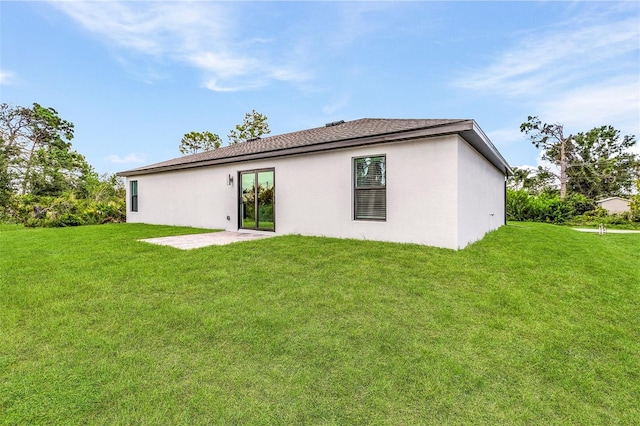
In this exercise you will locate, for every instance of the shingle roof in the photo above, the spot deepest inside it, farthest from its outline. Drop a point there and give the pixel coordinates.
(350, 133)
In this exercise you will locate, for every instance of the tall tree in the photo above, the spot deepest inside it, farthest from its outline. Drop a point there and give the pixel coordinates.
(253, 126)
(194, 142)
(550, 137)
(36, 146)
(597, 163)
(600, 163)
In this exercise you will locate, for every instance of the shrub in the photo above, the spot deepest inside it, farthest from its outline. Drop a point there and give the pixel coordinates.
(518, 205)
(635, 203)
(581, 204)
(545, 207)
(65, 210)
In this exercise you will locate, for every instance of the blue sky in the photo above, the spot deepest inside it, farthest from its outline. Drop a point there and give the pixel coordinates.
(135, 76)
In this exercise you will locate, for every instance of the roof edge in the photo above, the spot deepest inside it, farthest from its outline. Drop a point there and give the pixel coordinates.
(439, 130)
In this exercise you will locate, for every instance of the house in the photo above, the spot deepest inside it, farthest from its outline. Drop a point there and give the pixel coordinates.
(614, 205)
(434, 182)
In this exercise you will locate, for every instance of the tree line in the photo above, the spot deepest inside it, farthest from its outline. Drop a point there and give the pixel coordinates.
(43, 180)
(586, 167)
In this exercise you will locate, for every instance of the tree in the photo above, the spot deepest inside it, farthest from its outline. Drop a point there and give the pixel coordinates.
(35, 144)
(253, 126)
(597, 163)
(43, 181)
(533, 181)
(550, 137)
(194, 142)
(600, 164)
(6, 188)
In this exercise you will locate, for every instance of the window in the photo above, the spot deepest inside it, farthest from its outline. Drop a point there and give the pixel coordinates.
(370, 188)
(134, 195)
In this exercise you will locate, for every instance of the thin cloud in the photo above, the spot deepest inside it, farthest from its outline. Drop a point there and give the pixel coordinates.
(131, 158)
(615, 102)
(198, 34)
(556, 59)
(505, 137)
(582, 73)
(337, 105)
(223, 65)
(6, 77)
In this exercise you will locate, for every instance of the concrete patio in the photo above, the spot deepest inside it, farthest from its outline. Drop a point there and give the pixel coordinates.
(193, 241)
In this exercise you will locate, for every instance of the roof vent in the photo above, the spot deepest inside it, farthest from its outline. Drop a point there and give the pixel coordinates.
(334, 123)
(253, 139)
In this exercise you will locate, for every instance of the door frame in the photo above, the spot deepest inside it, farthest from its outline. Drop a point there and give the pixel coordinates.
(256, 205)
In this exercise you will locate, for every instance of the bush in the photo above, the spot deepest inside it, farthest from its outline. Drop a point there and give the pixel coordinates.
(52, 212)
(518, 205)
(582, 204)
(635, 203)
(522, 206)
(101, 200)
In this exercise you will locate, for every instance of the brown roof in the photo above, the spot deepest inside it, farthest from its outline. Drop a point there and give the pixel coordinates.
(340, 135)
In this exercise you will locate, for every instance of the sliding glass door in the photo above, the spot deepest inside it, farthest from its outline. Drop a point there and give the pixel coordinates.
(257, 200)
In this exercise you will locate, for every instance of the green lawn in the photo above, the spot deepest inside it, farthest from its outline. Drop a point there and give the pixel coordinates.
(536, 324)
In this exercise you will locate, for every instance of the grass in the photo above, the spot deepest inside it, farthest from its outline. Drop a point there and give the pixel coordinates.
(536, 324)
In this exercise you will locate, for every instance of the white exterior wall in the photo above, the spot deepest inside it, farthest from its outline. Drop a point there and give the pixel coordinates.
(314, 194)
(315, 197)
(480, 195)
(193, 197)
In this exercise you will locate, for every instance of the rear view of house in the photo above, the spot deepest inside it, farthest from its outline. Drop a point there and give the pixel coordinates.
(433, 182)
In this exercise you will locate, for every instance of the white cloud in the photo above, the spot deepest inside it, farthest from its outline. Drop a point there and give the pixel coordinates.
(505, 137)
(544, 62)
(615, 102)
(198, 34)
(337, 104)
(214, 85)
(6, 77)
(582, 73)
(131, 158)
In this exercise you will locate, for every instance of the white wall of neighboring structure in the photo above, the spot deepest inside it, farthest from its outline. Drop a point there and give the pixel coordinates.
(430, 199)
(615, 205)
(480, 195)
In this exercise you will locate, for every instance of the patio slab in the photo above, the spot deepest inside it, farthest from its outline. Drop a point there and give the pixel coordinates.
(193, 241)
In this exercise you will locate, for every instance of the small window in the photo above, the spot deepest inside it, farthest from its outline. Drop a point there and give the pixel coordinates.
(370, 188)
(134, 195)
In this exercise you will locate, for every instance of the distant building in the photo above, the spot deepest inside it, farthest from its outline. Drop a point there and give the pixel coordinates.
(614, 204)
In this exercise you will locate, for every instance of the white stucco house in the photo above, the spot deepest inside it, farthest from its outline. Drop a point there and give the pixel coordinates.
(424, 181)
(615, 204)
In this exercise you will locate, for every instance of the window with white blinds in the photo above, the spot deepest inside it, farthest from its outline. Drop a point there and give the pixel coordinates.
(370, 188)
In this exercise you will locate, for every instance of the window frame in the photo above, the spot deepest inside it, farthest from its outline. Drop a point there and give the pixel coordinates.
(364, 189)
(133, 194)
